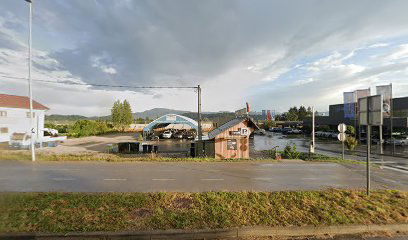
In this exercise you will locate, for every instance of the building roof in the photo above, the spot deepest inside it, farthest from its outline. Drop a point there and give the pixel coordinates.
(13, 101)
(212, 134)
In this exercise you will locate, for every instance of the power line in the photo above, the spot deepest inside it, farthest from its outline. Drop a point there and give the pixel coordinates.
(101, 85)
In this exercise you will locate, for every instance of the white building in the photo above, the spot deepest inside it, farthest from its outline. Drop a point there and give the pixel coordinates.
(15, 116)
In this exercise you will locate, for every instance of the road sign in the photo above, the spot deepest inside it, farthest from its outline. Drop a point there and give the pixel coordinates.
(342, 137)
(371, 110)
(342, 127)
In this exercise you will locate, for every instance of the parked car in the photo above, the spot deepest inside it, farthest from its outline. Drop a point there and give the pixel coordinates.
(285, 130)
(401, 140)
(295, 131)
(260, 132)
(275, 129)
(167, 134)
(178, 135)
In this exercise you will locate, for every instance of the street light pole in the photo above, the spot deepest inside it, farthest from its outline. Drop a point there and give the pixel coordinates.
(30, 90)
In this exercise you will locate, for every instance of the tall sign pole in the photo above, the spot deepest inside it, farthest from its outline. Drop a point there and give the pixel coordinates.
(368, 147)
(370, 114)
(30, 90)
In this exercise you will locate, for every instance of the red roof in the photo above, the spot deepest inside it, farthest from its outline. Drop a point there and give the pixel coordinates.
(12, 101)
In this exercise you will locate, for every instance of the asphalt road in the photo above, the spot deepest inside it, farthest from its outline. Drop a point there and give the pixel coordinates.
(23, 176)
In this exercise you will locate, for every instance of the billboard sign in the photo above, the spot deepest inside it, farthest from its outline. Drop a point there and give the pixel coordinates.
(349, 109)
(371, 110)
(386, 92)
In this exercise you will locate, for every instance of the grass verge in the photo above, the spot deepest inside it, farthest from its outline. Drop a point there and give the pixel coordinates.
(106, 157)
(64, 212)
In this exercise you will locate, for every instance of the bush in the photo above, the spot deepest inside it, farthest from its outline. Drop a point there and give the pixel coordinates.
(290, 152)
(351, 143)
(351, 130)
(82, 128)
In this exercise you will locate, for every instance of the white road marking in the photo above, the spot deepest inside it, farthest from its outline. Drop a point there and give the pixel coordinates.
(212, 179)
(310, 178)
(63, 179)
(163, 179)
(395, 169)
(263, 179)
(115, 179)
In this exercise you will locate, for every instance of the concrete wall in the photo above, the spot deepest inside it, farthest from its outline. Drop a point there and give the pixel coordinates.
(17, 121)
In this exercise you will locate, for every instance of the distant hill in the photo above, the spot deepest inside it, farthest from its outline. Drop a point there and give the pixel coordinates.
(157, 112)
(216, 117)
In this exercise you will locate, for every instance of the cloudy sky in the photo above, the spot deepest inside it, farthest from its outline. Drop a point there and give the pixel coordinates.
(273, 54)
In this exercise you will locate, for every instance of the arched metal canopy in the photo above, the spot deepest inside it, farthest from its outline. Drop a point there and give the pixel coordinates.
(170, 119)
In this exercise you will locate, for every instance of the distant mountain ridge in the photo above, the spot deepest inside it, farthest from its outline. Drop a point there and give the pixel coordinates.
(216, 117)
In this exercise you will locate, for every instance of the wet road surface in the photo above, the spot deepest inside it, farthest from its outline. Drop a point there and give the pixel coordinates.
(192, 177)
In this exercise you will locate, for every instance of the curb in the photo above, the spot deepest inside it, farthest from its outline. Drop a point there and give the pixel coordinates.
(256, 231)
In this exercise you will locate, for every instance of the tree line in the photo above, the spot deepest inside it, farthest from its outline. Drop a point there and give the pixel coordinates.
(295, 114)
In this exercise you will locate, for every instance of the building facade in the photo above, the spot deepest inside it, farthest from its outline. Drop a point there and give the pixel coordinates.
(15, 117)
(336, 115)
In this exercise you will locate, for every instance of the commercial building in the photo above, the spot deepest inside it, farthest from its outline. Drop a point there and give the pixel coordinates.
(15, 117)
(336, 116)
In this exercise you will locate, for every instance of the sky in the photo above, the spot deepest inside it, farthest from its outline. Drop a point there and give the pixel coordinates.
(272, 54)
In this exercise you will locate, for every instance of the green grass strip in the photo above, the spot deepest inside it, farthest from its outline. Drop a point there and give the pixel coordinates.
(64, 212)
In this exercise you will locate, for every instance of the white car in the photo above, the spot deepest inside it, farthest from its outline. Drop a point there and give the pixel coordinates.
(401, 140)
(167, 134)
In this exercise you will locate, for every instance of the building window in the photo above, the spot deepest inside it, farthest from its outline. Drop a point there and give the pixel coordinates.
(3, 114)
(28, 114)
(3, 130)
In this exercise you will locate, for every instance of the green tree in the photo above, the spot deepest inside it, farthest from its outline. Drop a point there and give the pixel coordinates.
(292, 114)
(127, 116)
(121, 114)
(302, 113)
(116, 113)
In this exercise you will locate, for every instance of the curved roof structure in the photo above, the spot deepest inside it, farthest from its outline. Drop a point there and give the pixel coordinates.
(168, 119)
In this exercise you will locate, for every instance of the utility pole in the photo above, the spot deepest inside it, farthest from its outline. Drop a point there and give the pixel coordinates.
(199, 130)
(312, 147)
(30, 90)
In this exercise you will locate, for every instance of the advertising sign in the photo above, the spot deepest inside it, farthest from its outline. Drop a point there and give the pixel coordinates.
(232, 144)
(361, 93)
(349, 106)
(386, 92)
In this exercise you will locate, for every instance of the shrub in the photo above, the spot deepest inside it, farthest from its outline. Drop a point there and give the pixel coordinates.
(290, 152)
(351, 130)
(82, 128)
(351, 143)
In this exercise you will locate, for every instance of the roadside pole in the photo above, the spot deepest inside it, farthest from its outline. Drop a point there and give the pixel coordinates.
(199, 130)
(368, 157)
(30, 90)
(342, 128)
(312, 147)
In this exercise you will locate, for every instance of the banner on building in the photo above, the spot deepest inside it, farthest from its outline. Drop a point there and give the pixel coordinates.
(268, 115)
(386, 92)
(362, 93)
(349, 104)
